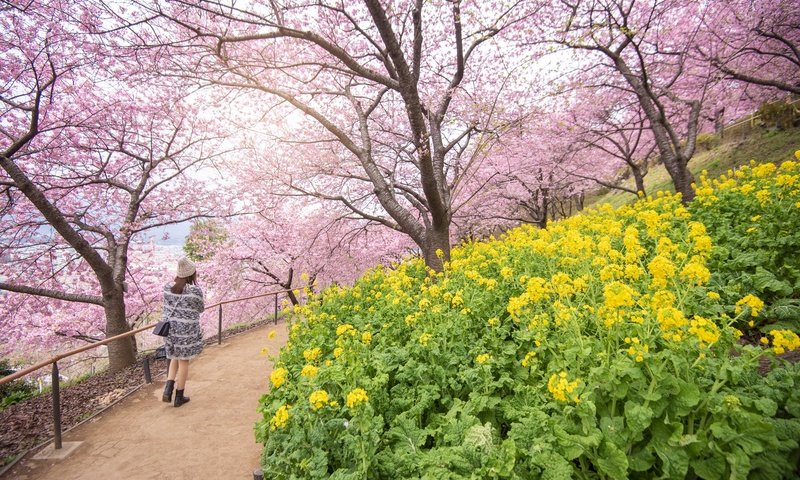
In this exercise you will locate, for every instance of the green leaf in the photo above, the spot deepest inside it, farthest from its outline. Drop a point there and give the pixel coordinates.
(739, 463)
(767, 406)
(652, 396)
(405, 432)
(723, 431)
(612, 461)
(638, 417)
(747, 259)
(614, 428)
(642, 460)
(674, 459)
(781, 325)
(688, 397)
(710, 468)
(479, 437)
(554, 466)
(765, 281)
(784, 312)
(573, 446)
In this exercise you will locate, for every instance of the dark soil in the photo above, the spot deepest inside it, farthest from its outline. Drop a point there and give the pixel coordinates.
(30, 422)
(766, 363)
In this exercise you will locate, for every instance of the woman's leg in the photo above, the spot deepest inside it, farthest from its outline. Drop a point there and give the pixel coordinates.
(173, 369)
(169, 386)
(182, 374)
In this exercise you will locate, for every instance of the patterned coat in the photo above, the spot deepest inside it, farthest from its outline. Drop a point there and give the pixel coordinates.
(185, 340)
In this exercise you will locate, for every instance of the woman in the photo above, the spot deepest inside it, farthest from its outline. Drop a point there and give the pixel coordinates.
(183, 304)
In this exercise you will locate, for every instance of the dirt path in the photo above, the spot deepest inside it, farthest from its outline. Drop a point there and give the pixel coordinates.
(144, 438)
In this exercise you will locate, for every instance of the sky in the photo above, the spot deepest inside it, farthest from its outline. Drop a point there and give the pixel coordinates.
(177, 234)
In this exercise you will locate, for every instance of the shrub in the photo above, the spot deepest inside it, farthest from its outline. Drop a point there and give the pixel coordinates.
(13, 392)
(707, 141)
(777, 114)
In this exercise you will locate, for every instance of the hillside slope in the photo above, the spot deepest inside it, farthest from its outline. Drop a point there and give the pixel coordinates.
(763, 145)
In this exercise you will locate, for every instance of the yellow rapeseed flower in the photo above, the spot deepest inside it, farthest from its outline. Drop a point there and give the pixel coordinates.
(662, 299)
(562, 389)
(751, 301)
(705, 330)
(345, 328)
(318, 399)
(356, 397)
(528, 358)
(506, 273)
(618, 294)
(483, 358)
(278, 377)
(280, 418)
(670, 318)
(309, 371)
(696, 272)
(784, 340)
(764, 170)
(661, 269)
(312, 354)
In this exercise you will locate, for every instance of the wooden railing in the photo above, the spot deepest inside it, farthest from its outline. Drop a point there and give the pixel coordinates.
(54, 361)
(751, 119)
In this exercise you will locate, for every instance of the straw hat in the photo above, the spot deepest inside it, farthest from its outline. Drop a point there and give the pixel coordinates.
(186, 268)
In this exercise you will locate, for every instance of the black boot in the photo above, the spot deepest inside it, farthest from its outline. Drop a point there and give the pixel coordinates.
(180, 399)
(167, 397)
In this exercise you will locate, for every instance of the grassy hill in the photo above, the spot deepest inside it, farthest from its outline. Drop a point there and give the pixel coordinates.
(762, 145)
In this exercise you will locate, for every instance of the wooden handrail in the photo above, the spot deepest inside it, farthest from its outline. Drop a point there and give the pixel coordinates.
(234, 300)
(76, 351)
(753, 116)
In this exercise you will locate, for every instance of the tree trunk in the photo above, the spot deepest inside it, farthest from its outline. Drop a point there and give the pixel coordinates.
(719, 122)
(541, 222)
(681, 177)
(287, 285)
(121, 353)
(292, 297)
(675, 162)
(638, 177)
(436, 239)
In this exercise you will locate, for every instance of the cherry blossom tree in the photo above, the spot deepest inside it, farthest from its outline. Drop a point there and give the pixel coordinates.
(646, 46)
(755, 42)
(386, 90)
(277, 252)
(523, 178)
(90, 161)
(611, 133)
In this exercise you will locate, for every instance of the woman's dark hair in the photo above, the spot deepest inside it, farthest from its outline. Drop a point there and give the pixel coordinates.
(180, 283)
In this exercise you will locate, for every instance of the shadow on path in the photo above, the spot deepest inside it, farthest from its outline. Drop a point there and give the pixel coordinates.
(142, 437)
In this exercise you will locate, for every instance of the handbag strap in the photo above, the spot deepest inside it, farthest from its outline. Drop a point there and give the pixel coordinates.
(168, 318)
